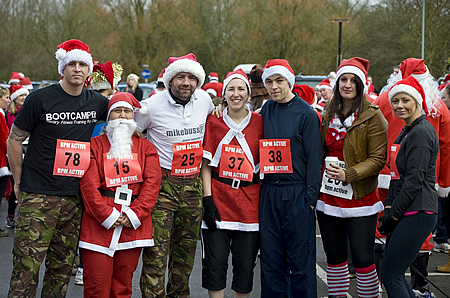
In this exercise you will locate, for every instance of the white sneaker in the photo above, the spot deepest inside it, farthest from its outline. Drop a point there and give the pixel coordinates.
(441, 247)
(79, 277)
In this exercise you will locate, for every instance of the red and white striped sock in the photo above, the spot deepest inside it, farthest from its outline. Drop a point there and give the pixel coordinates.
(367, 282)
(338, 279)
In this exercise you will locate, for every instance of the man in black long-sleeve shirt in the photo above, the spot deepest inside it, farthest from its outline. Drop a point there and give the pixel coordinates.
(289, 191)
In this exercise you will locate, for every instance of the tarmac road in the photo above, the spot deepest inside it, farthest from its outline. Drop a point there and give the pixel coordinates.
(440, 279)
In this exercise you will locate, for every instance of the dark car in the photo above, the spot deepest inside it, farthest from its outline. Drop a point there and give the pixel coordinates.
(310, 80)
(147, 88)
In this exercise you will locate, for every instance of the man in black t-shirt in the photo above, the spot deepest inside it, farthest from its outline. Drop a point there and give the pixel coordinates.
(59, 120)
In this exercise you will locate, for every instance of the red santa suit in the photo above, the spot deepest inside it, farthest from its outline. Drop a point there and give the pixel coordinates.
(4, 132)
(217, 86)
(108, 246)
(238, 207)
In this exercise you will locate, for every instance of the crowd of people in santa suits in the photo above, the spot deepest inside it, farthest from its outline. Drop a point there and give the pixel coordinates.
(250, 176)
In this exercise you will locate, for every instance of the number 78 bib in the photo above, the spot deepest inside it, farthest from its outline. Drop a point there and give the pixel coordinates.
(275, 156)
(72, 158)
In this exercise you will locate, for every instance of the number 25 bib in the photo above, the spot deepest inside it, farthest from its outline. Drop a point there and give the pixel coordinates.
(72, 158)
(275, 156)
(187, 158)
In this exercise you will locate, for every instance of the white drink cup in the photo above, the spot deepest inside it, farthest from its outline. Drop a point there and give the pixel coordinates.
(331, 160)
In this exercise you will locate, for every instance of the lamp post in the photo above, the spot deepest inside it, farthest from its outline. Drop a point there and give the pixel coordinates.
(339, 57)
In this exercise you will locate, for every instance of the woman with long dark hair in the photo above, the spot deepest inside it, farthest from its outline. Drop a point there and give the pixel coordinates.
(354, 139)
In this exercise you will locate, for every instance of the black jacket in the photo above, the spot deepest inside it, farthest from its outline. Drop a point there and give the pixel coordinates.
(416, 164)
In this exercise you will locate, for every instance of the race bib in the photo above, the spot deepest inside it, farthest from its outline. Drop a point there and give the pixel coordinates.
(187, 158)
(234, 164)
(275, 156)
(121, 172)
(72, 158)
(335, 188)
(395, 148)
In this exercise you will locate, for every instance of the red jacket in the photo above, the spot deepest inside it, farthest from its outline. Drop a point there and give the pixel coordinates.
(4, 132)
(100, 212)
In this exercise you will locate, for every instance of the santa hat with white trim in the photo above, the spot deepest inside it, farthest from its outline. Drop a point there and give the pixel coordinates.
(122, 99)
(237, 74)
(279, 67)
(26, 83)
(325, 84)
(16, 91)
(411, 87)
(357, 66)
(73, 50)
(106, 75)
(15, 77)
(187, 63)
(213, 77)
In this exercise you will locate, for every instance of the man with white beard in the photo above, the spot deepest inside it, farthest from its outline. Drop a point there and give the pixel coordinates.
(119, 191)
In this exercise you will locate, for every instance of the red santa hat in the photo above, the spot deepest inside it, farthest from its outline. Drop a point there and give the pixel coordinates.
(16, 91)
(26, 83)
(123, 99)
(237, 74)
(73, 50)
(306, 93)
(187, 63)
(213, 77)
(414, 67)
(357, 66)
(106, 75)
(325, 84)
(446, 79)
(411, 87)
(278, 67)
(15, 77)
(160, 77)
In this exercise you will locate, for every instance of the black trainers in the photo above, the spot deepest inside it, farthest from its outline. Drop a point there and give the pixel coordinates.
(3, 233)
(10, 223)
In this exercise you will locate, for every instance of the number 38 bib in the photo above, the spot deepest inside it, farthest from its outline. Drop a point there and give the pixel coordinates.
(187, 158)
(72, 158)
(275, 156)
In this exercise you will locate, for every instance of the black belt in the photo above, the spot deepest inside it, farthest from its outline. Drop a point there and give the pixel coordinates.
(235, 183)
(112, 194)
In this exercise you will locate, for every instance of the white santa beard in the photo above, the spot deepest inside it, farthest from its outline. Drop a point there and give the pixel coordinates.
(119, 132)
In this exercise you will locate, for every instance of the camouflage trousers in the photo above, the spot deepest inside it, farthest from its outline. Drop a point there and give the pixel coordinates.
(46, 225)
(176, 225)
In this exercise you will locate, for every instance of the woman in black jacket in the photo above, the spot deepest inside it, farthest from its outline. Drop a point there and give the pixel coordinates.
(412, 203)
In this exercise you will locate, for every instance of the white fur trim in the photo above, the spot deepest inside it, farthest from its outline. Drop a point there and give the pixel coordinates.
(349, 212)
(64, 58)
(19, 92)
(235, 76)
(354, 70)
(184, 65)
(325, 87)
(119, 104)
(13, 81)
(408, 90)
(443, 191)
(134, 219)
(207, 155)
(5, 172)
(278, 70)
(112, 218)
(120, 246)
(211, 91)
(101, 85)
(236, 226)
(384, 181)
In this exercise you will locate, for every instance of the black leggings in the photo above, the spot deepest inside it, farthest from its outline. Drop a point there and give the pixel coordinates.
(360, 232)
(12, 199)
(3, 183)
(401, 251)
